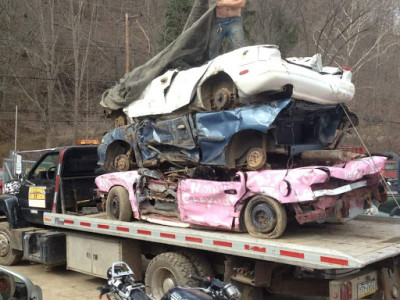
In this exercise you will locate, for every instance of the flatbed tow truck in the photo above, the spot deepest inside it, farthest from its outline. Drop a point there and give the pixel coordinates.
(366, 243)
(355, 260)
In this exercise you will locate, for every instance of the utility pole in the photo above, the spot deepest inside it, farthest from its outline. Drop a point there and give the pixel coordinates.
(127, 45)
(127, 40)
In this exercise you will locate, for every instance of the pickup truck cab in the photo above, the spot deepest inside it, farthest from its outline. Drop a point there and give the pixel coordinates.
(62, 180)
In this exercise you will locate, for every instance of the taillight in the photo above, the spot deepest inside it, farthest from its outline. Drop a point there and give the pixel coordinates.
(349, 290)
(343, 292)
(346, 69)
(244, 72)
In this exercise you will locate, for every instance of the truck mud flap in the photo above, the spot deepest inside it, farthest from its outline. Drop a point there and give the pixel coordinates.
(8, 207)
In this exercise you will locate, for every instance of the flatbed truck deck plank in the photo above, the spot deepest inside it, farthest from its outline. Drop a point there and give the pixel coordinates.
(354, 244)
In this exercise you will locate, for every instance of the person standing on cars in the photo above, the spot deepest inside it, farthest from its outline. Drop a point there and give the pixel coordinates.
(228, 24)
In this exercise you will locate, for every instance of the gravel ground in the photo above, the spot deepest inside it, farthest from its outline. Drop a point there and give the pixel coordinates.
(59, 283)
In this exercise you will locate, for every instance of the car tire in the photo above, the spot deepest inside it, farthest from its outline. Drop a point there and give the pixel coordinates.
(265, 217)
(166, 271)
(118, 206)
(8, 255)
(201, 263)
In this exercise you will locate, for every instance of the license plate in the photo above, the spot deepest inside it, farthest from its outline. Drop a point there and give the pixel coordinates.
(367, 288)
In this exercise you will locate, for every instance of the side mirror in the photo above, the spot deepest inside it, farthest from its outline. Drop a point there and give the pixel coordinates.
(17, 286)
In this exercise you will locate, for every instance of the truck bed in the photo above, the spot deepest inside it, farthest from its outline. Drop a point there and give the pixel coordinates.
(355, 244)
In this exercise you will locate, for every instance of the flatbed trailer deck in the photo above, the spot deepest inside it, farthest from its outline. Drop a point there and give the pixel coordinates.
(330, 261)
(355, 244)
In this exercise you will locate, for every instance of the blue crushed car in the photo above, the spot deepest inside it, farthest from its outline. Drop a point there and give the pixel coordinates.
(240, 138)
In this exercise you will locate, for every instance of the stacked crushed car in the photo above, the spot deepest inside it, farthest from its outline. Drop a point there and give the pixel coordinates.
(229, 145)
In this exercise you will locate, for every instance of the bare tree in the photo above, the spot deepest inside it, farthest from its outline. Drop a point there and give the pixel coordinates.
(353, 32)
(44, 61)
(81, 36)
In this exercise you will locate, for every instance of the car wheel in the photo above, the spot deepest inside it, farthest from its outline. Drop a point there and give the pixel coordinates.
(119, 157)
(166, 271)
(121, 163)
(222, 99)
(8, 255)
(256, 158)
(118, 206)
(265, 217)
(119, 118)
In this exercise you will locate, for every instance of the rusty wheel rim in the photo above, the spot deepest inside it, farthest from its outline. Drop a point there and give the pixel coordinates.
(121, 163)
(263, 217)
(222, 99)
(115, 207)
(119, 121)
(163, 281)
(256, 158)
(5, 247)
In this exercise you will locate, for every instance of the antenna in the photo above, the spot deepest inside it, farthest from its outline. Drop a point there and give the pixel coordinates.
(16, 128)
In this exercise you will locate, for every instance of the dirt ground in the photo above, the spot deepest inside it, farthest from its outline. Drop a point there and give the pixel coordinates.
(59, 283)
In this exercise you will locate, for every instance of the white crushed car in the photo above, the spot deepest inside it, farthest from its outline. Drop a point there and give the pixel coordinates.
(244, 76)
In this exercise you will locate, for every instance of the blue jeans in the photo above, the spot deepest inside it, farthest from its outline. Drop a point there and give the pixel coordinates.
(226, 27)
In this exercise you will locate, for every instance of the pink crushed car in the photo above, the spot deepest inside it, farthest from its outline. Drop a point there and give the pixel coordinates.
(258, 202)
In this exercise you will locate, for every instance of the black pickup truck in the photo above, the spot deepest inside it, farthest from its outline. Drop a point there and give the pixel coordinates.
(61, 181)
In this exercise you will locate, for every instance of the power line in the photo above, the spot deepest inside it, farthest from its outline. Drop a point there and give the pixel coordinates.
(54, 121)
(35, 111)
(107, 6)
(102, 5)
(62, 47)
(55, 79)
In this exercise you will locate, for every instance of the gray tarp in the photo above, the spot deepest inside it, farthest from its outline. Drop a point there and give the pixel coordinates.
(188, 50)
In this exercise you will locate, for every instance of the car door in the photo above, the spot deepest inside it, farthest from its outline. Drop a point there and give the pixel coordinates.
(37, 190)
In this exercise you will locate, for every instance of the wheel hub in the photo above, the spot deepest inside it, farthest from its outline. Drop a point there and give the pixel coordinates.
(115, 207)
(168, 284)
(4, 245)
(263, 217)
(256, 158)
(121, 163)
(222, 99)
(162, 282)
(119, 121)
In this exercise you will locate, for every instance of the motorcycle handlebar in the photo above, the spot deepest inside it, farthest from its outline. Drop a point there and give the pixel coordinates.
(229, 291)
(199, 278)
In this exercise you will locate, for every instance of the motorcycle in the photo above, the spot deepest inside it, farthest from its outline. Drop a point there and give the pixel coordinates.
(122, 286)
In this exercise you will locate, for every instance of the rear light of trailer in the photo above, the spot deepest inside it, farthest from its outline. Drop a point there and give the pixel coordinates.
(346, 291)
(349, 290)
(343, 292)
(357, 286)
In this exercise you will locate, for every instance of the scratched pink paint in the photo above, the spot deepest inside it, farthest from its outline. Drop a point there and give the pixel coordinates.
(125, 179)
(210, 203)
(218, 204)
(277, 183)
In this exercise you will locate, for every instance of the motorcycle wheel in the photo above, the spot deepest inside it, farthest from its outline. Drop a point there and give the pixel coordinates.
(166, 271)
